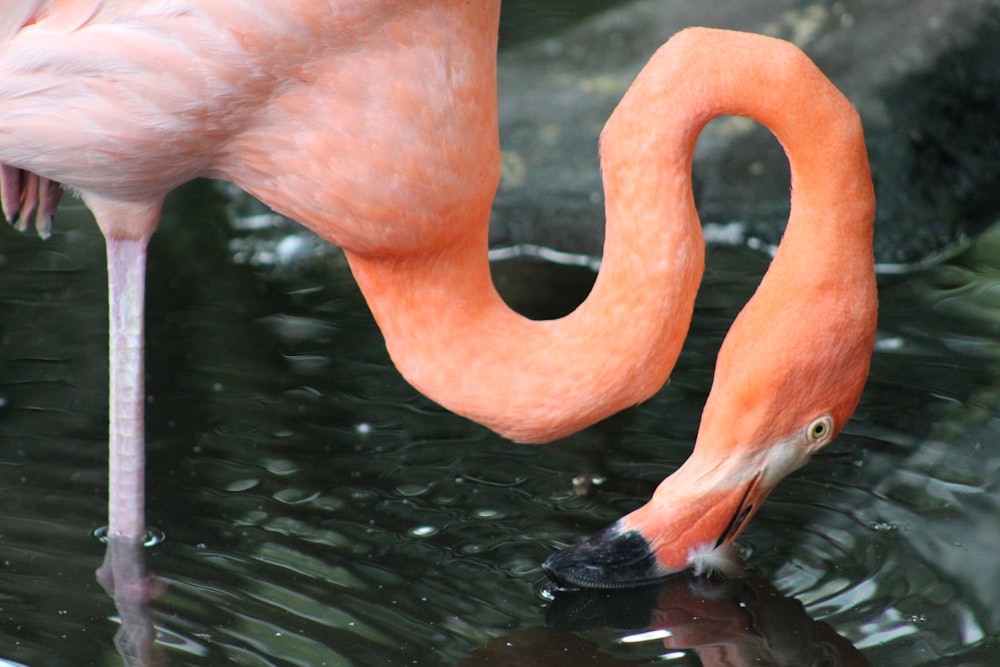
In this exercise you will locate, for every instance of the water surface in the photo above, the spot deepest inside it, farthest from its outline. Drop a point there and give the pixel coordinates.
(316, 510)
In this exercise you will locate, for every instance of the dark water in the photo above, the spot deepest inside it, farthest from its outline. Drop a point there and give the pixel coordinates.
(316, 511)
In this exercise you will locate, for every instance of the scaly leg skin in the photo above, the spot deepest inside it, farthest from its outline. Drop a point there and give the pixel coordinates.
(21, 192)
(126, 461)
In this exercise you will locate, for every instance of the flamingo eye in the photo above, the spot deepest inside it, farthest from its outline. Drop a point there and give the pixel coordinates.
(820, 429)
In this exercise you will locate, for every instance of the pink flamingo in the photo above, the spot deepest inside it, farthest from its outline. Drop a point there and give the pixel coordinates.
(374, 123)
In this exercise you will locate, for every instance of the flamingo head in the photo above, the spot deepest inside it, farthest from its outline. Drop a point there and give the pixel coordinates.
(772, 406)
(692, 519)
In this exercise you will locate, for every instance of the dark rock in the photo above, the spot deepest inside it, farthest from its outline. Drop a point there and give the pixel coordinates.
(925, 76)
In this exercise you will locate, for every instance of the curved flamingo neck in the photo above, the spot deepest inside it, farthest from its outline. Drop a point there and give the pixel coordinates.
(801, 347)
(451, 335)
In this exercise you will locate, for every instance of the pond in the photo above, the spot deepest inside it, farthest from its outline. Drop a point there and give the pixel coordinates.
(315, 510)
(310, 508)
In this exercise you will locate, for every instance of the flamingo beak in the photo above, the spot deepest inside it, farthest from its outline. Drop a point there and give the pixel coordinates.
(678, 529)
(614, 557)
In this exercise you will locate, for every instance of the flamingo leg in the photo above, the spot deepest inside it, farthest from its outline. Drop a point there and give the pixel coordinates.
(126, 229)
(126, 461)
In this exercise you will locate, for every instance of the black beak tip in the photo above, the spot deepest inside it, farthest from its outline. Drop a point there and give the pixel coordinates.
(608, 559)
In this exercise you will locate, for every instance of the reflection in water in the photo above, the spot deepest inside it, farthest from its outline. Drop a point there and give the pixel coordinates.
(736, 623)
(124, 578)
(725, 624)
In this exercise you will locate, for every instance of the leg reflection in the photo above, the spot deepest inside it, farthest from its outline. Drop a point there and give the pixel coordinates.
(124, 578)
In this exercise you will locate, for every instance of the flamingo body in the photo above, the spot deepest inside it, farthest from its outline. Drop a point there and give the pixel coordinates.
(159, 93)
(374, 123)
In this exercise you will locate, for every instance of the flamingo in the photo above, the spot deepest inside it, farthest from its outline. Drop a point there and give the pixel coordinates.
(374, 124)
